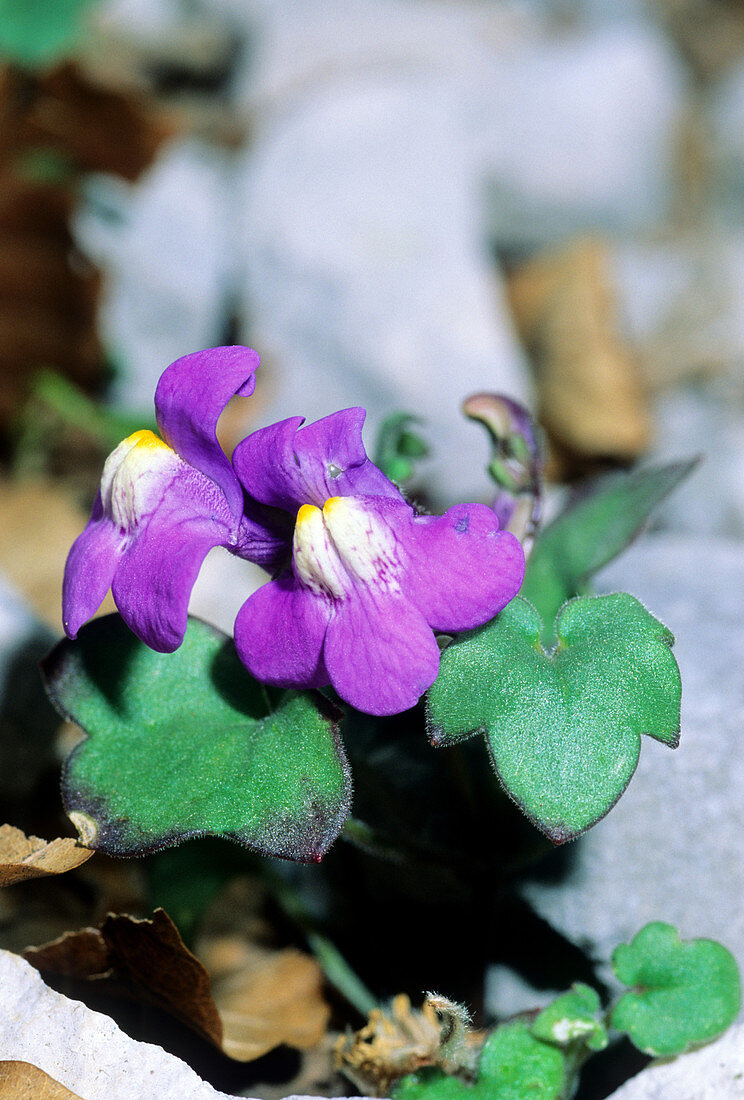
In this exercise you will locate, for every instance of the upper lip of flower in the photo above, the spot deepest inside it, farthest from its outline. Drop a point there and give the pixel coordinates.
(163, 504)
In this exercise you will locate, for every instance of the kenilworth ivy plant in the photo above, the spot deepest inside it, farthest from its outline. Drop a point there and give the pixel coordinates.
(380, 628)
(369, 605)
(681, 995)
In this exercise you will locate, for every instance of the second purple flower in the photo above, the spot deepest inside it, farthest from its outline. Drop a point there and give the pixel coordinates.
(368, 581)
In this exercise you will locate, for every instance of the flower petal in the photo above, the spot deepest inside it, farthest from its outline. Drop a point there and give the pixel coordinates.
(89, 569)
(461, 569)
(153, 581)
(190, 396)
(287, 466)
(380, 653)
(279, 633)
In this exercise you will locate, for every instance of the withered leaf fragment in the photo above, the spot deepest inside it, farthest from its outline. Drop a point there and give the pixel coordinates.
(401, 1040)
(23, 1081)
(266, 998)
(143, 959)
(247, 1000)
(23, 857)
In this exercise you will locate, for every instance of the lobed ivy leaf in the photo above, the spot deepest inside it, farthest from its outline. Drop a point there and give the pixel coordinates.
(564, 727)
(572, 1018)
(399, 445)
(593, 531)
(686, 992)
(183, 745)
(513, 1065)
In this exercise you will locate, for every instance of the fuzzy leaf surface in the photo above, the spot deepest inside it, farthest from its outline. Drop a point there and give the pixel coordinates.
(563, 728)
(572, 1018)
(590, 533)
(181, 745)
(514, 1065)
(686, 992)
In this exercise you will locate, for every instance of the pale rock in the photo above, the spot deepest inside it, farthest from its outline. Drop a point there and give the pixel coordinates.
(577, 135)
(224, 584)
(695, 421)
(85, 1050)
(726, 121)
(163, 245)
(359, 226)
(365, 272)
(671, 849)
(716, 1072)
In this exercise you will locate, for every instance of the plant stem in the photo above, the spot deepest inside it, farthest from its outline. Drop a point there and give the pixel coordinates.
(334, 965)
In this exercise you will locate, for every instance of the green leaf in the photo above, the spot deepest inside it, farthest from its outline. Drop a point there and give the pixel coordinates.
(572, 1018)
(181, 745)
(590, 533)
(398, 446)
(563, 728)
(514, 1065)
(40, 32)
(687, 991)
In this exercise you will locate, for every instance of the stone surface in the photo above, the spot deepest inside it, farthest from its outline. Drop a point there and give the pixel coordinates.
(85, 1050)
(672, 849)
(163, 245)
(716, 1072)
(357, 231)
(27, 720)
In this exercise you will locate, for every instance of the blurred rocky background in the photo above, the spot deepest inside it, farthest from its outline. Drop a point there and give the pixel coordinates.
(398, 203)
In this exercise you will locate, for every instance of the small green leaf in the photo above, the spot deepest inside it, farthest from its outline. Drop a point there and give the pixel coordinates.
(40, 32)
(563, 728)
(687, 992)
(572, 1018)
(590, 533)
(181, 745)
(514, 1065)
(398, 446)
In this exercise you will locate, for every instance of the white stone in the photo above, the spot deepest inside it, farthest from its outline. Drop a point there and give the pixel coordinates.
(164, 247)
(85, 1050)
(716, 1072)
(18, 625)
(694, 422)
(671, 849)
(362, 210)
(224, 584)
(359, 224)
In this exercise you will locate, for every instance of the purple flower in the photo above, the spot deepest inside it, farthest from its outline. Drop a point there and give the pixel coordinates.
(369, 580)
(164, 503)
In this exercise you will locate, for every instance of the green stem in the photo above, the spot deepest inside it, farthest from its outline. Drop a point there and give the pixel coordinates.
(334, 965)
(340, 975)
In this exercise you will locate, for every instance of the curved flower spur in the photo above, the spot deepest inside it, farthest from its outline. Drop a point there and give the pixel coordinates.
(366, 581)
(164, 503)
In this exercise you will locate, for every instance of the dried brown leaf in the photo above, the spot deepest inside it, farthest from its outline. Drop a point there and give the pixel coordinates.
(591, 396)
(266, 998)
(244, 998)
(143, 959)
(401, 1040)
(23, 857)
(266, 995)
(22, 1081)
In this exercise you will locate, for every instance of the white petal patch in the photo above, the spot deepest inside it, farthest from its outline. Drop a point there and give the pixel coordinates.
(342, 545)
(134, 477)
